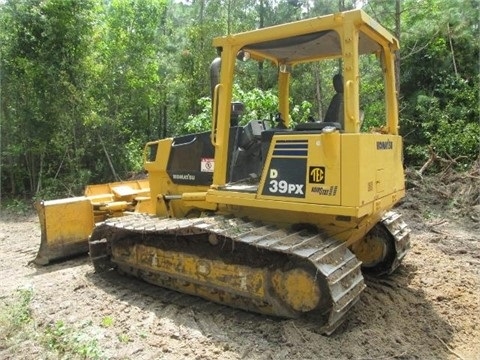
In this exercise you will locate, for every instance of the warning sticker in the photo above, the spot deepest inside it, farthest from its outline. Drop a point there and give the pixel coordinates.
(207, 165)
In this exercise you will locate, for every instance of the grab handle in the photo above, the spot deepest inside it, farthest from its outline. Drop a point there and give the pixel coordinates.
(216, 95)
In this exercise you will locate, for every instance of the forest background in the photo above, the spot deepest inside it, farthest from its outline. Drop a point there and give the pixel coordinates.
(84, 84)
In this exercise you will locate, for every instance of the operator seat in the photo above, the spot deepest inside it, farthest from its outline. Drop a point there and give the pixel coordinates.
(335, 109)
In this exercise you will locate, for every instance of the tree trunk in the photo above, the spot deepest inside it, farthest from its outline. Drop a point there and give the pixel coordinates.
(398, 13)
(229, 16)
(318, 90)
(260, 63)
(115, 176)
(40, 173)
(451, 49)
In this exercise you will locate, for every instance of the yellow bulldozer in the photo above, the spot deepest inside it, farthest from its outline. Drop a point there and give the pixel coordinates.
(273, 218)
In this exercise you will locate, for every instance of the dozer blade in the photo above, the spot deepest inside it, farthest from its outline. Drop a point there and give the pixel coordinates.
(235, 262)
(66, 224)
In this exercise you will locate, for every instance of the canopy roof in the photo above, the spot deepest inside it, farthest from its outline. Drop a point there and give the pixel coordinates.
(311, 39)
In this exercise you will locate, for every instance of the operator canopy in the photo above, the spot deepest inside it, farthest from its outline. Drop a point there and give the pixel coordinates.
(321, 44)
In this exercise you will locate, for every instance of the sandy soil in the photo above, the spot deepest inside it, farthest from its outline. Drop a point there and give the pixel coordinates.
(428, 309)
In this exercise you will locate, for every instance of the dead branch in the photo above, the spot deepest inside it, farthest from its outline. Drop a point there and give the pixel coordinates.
(434, 157)
(299, 332)
(449, 348)
(430, 160)
(117, 178)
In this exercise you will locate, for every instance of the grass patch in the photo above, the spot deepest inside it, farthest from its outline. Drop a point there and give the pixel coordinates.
(123, 338)
(15, 317)
(16, 206)
(107, 322)
(67, 341)
(18, 328)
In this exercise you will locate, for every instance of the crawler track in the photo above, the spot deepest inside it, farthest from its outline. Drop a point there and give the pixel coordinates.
(236, 262)
(400, 233)
(394, 234)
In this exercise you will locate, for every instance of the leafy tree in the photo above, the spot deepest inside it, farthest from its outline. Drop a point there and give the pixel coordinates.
(126, 90)
(43, 62)
(84, 84)
(440, 81)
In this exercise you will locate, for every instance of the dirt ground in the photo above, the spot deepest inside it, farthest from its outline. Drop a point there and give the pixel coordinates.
(428, 309)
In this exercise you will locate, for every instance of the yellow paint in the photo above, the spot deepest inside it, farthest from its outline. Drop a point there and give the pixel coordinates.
(370, 174)
(351, 178)
(347, 175)
(125, 190)
(240, 280)
(370, 250)
(67, 223)
(297, 288)
(67, 220)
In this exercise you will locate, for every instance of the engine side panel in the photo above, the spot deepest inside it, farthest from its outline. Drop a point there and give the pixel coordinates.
(344, 170)
(372, 168)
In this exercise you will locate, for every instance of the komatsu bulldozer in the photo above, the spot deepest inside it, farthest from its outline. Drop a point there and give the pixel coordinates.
(272, 218)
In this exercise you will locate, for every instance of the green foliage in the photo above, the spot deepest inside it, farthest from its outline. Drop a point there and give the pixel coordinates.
(312, 84)
(18, 313)
(17, 324)
(66, 341)
(123, 338)
(134, 154)
(43, 96)
(259, 105)
(15, 317)
(107, 321)
(445, 129)
(202, 121)
(372, 95)
(84, 82)
(16, 206)
(440, 83)
(300, 113)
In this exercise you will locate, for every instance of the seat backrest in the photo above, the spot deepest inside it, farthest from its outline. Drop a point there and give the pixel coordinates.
(335, 109)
